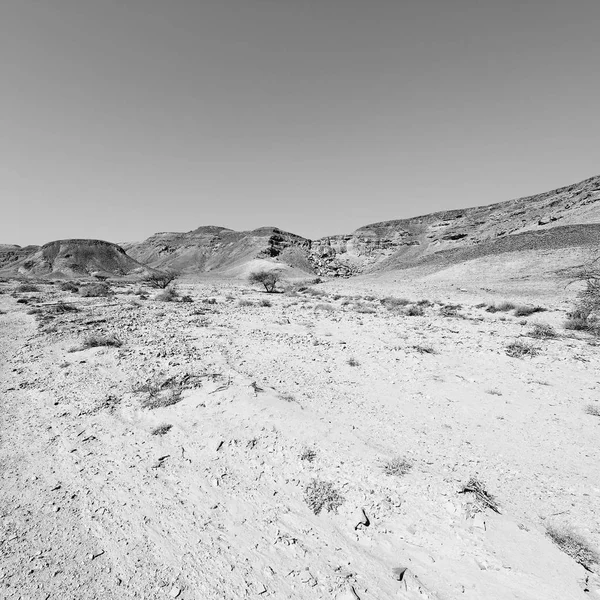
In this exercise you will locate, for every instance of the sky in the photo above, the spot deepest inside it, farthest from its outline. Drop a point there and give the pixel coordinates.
(121, 118)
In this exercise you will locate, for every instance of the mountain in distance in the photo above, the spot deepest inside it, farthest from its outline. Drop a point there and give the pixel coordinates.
(565, 218)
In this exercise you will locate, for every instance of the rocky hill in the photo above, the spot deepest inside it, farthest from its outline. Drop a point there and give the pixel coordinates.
(71, 258)
(567, 217)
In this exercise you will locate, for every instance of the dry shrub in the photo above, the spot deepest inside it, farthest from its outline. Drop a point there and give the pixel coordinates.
(525, 311)
(167, 295)
(542, 331)
(353, 362)
(245, 303)
(27, 287)
(326, 306)
(95, 341)
(160, 280)
(392, 303)
(68, 286)
(518, 349)
(95, 290)
(483, 498)
(502, 307)
(321, 495)
(161, 429)
(308, 454)
(415, 311)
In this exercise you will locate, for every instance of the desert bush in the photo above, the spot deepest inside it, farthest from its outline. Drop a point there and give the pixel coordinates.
(493, 392)
(502, 307)
(326, 306)
(268, 279)
(415, 311)
(321, 495)
(525, 311)
(574, 546)
(425, 303)
(450, 310)
(61, 308)
(209, 301)
(96, 340)
(593, 409)
(95, 290)
(161, 429)
(308, 454)
(27, 287)
(364, 309)
(518, 349)
(580, 323)
(266, 303)
(391, 303)
(353, 362)
(313, 292)
(167, 295)
(424, 349)
(397, 466)
(245, 303)
(160, 280)
(68, 286)
(186, 298)
(542, 330)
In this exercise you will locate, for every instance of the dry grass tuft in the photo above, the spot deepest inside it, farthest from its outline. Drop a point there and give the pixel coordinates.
(161, 429)
(95, 290)
(574, 546)
(398, 467)
(518, 349)
(593, 409)
(525, 311)
(321, 495)
(542, 331)
(483, 497)
(96, 340)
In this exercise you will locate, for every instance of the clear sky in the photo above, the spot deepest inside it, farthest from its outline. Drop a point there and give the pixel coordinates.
(120, 118)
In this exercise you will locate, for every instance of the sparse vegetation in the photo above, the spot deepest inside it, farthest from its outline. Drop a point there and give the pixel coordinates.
(95, 290)
(26, 288)
(353, 362)
(167, 295)
(266, 303)
(186, 298)
(415, 311)
(160, 280)
(397, 467)
(161, 398)
(584, 316)
(542, 331)
(364, 309)
(525, 311)
(502, 307)
(574, 546)
(518, 349)
(161, 429)
(450, 310)
(268, 279)
(321, 495)
(482, 497)
(392, 303)
(424, 349)
(308, 454)
(68, 286)
(245, 303)
(593, 409)
(326, 306)
(493, 392)
(96, 340)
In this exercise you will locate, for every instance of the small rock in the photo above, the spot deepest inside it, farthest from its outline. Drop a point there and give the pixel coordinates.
(175, 592)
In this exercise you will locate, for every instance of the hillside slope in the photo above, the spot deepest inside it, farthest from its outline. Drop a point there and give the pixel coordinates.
(74, 258)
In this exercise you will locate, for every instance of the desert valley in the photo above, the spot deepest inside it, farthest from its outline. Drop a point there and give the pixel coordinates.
(405, 415)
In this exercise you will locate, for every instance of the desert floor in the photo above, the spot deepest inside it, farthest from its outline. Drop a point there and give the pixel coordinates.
(278, 403)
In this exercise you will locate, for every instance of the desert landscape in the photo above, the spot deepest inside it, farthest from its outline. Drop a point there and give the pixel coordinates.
(400, 412)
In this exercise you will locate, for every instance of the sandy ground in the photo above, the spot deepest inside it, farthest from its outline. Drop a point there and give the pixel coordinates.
(311, 392)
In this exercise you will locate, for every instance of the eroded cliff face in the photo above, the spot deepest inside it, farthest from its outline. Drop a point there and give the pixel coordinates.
(398, 243)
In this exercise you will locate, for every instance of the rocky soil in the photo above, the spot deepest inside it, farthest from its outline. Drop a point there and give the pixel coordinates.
(309, 444)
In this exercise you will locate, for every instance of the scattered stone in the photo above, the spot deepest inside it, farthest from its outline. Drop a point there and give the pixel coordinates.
(363, 520)
(175, 592)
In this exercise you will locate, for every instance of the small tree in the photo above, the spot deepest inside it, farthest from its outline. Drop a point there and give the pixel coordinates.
(268, 279)
(160, 280)
(586, 311)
